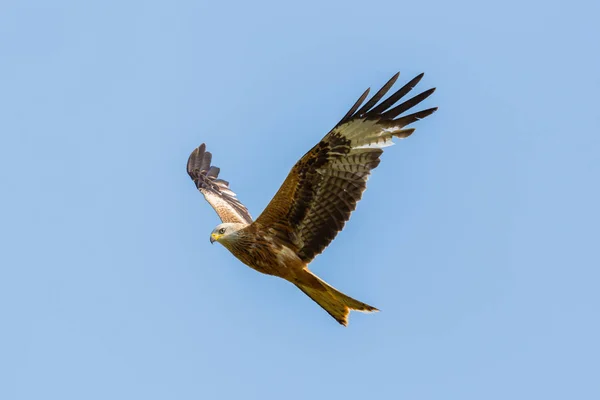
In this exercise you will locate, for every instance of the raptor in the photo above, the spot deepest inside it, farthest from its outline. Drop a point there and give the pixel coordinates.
(317, 197)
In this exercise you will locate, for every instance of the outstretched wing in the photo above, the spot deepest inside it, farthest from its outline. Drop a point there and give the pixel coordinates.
(216, 191)
(322, 189)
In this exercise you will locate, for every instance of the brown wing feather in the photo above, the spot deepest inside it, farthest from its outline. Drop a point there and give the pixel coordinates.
(216, 191)
(324, 186)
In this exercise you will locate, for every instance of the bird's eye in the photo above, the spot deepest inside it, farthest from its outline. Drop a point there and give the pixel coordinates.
(221, 231)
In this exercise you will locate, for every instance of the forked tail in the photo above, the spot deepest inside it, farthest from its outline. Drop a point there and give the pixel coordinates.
(336, 303)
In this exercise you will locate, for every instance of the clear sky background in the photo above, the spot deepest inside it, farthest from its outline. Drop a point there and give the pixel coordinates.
(478, 236)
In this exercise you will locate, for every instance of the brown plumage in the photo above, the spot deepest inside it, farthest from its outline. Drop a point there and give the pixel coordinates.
(316, 199)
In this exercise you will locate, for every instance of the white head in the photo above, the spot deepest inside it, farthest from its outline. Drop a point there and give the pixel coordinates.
(225, 232)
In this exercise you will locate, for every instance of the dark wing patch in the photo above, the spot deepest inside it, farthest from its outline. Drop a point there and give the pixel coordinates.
(216, 191)
(324, 186)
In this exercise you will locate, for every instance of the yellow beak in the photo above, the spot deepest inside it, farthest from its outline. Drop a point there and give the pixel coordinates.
(214, 237)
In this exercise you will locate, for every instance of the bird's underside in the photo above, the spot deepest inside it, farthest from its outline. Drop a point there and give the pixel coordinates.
(315, 200)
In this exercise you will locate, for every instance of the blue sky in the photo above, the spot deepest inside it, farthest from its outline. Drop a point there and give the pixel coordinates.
(477, 237)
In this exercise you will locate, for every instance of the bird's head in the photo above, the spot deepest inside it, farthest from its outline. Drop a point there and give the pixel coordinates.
(225, 232)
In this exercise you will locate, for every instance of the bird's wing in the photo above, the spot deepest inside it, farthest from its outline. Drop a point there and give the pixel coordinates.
(216, 191)
(322, 189)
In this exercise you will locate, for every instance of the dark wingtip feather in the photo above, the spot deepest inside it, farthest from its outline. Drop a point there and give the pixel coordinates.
(382, 111)
(390, 101)
(355, 106)
(407, 105)
(199, 161)
(409, 119)
(195, 158)
(205, 162)
(213, 172)
(380, 93)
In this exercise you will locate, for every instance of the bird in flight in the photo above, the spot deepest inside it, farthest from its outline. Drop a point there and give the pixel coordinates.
(315, 200)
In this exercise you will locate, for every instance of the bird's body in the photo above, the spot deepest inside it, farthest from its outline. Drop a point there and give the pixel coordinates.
(315, 200)
(255, 246)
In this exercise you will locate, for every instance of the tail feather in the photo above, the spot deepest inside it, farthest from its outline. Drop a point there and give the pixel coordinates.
(336, 303)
